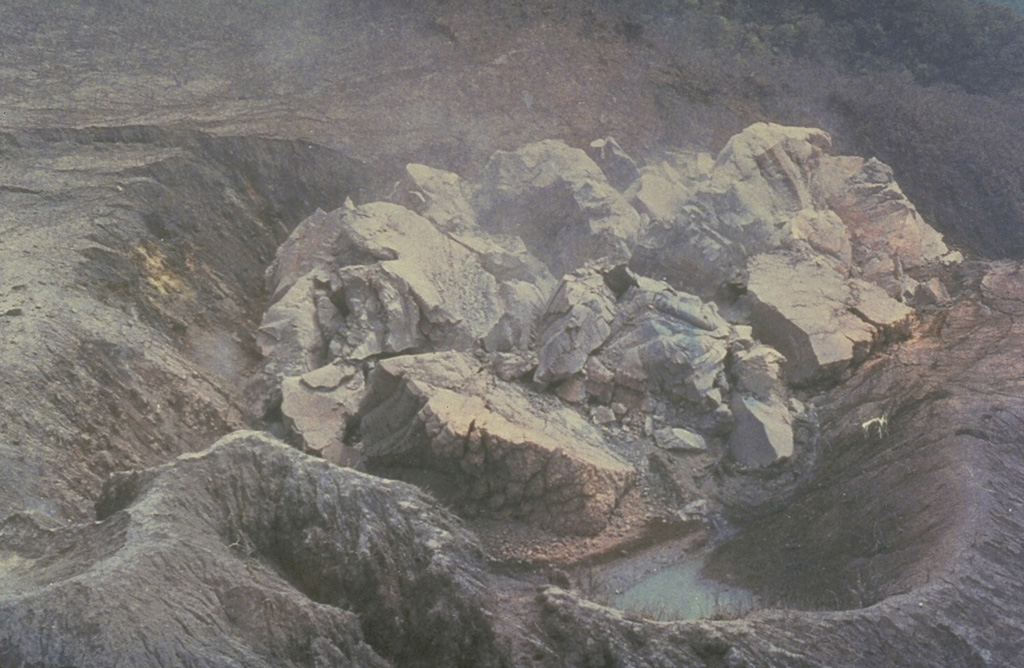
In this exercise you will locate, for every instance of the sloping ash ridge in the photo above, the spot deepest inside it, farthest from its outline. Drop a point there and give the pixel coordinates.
(130, 280)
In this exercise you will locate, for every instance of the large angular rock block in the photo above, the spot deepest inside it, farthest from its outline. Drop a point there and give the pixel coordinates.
(778, 188)
(395, 283)
(319, 406)
(758, 184)
(763, 432)
(441, 197)
(618, 167)
(762, 176)
(313, 244)
(821, 321)
(888, 233)
(577, 322)
(561, 204)
(291, 335)
(666, 343)
(488, 448)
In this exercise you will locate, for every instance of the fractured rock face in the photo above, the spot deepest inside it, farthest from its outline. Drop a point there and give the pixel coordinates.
(660, 192)
(763, 431)
(760, 177)
(775, 188)
(291, 335)
(651, 340)
(812, 247)
(484, 446)
(864, 193)
(578, 320)
(441, 197)
(398, 284)
(618, 167)
(759, 182)
(666, 343)
(821, 321)
(758, 372)
(320, 404)
(311, 245)
(561, 204)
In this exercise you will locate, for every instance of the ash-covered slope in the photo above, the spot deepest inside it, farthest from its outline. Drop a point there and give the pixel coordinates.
(248, 553)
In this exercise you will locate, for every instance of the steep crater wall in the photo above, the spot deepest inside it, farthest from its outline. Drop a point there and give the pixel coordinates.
(131, 280)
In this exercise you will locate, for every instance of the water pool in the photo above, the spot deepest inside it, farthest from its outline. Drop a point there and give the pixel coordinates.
(679, 591)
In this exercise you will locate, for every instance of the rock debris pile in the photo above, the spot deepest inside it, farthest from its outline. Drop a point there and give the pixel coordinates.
(525, 344)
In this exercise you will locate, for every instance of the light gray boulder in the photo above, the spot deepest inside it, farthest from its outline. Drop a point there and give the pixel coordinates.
(762, 177)
(660, 192)
(758, 372)
(778, 188)
(577, 321)
(290, 336)
(311, 245)
(319, 406)
(763, 433)
(761, 409)
(759, 183)
(665, 343)
(620, 169)
(820, 320)
(441, 197)
(397, 283)
(486, 446)
(677, 439)
(888, 233)
(651, 340)
(560, 203)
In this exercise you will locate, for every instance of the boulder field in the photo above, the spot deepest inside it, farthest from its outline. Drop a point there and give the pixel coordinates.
(538, 386)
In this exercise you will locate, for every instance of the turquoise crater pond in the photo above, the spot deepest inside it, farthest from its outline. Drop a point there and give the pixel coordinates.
(665, 583)
(679, 591)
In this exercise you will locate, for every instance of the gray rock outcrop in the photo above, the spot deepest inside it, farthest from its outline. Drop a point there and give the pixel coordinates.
(763, 419)
(759, 182)
(620, 169)
(291, 336)
(666, 343)
(889, 235)
(319, 407)
(763, 432)
(561, 204)
(154, 155)
(395, 283)
(778, 188)
(821, 321)
(647, 340)
(822, 251)
(577, 321)
(483, 445)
